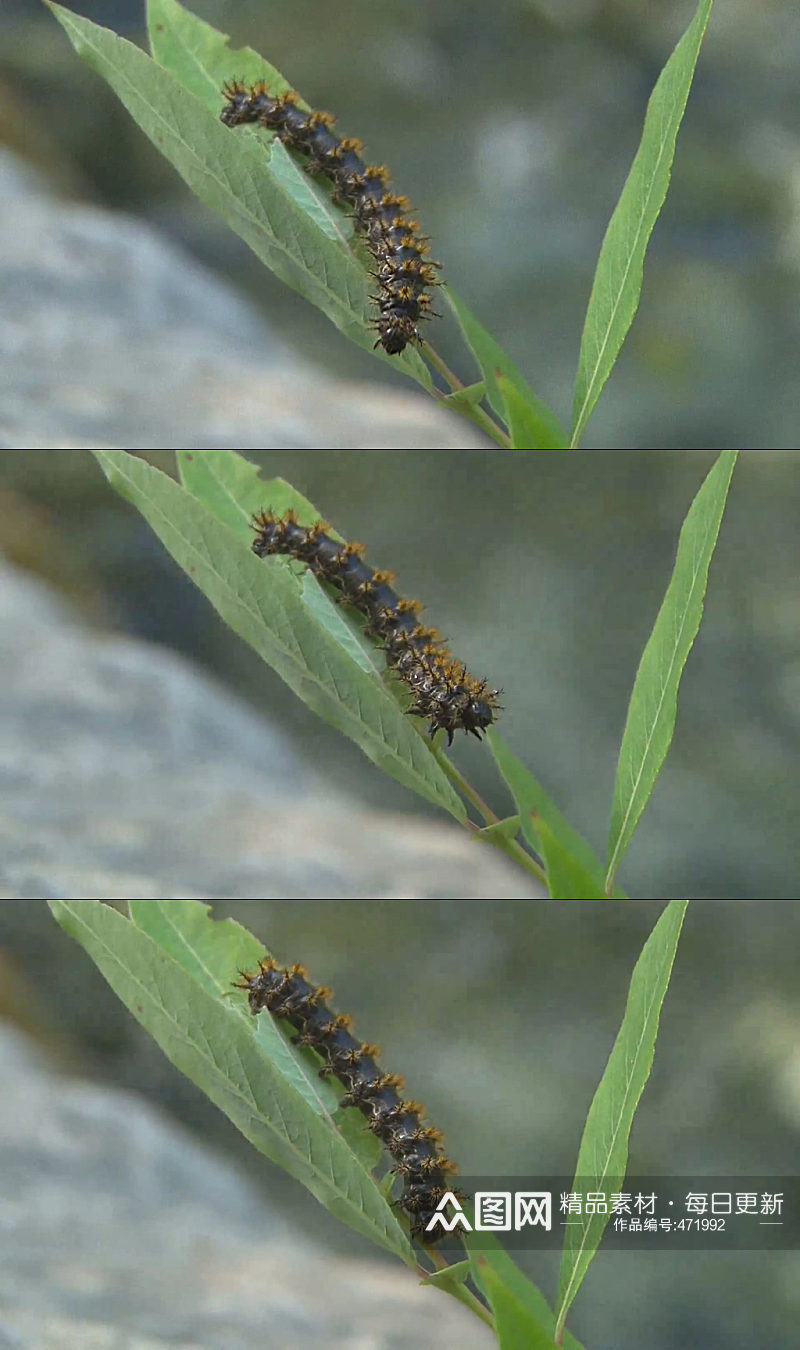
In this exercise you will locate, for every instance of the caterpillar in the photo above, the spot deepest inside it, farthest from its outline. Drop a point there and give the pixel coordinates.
(287, 993)
(404, 268)
(443, 690)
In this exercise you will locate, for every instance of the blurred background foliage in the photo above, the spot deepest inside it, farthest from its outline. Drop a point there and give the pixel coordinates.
(512, 126)
(502, 1015)
(545, 573)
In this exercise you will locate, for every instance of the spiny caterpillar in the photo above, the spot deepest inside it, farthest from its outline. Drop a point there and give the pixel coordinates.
(404, 269)
(443, 690)
(286, 992)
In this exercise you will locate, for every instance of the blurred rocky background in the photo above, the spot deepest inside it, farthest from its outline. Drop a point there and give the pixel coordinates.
(119, 1232)
(128, 772)
(512, 127)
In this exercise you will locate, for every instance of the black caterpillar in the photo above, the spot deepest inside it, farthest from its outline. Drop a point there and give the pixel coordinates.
(287, 993)
(404, 268)
(443, 690)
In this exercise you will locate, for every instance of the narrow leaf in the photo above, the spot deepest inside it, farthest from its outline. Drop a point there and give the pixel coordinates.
(542, 427)
(449, 1276)
(213, 951)
(253, 182)
(654, 701)
(262, 599)
(618, 278)
(534, 806)
(603, 1155)
(516, 1328)
(210, 950)
(506, 829)
(522, 418)
(209, 1041)
(486, 1252)
(200, 59)
(466, 397)
(232, 489)
(567, 879)
(196, 54)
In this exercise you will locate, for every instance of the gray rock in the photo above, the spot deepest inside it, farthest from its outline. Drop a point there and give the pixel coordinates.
(118, 1231)
(127, 773)
(112, 336)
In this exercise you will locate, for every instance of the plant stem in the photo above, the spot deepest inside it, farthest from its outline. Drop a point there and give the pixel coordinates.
(441, 365)
(459, 1291)
(467, 1297)
(515, 850)
(482, 419)
(457, 777)
(476, 414)
(511, 847)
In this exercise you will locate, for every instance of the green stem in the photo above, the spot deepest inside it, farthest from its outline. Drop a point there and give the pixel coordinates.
(518, 853)
(482, 419)
(511, 847)
(473, 411)
(442, 367)
(457, 777)
(467, 1297)
(458, 1290)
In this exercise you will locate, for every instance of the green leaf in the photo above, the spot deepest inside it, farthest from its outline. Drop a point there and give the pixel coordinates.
(231, 488)
(567, 879)
(487, 1254)
(200, 59)
(535, 806)
(506, 829)
(523, 420)
(653, 706)
(290, 224)
(211, 951)
(449, 1275)
(207, 1038)
(603, 1154)
(466, 397)
(199, 56)
(265, 602)
(516, 1329)
(618, 278)
(542, 427)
